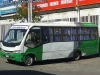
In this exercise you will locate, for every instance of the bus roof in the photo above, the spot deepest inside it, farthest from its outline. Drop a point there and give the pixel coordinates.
(62, 23)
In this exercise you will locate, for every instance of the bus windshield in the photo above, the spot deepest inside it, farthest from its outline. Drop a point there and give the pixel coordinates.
(14, 37)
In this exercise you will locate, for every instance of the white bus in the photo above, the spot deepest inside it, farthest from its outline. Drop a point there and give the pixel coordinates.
(29, 42)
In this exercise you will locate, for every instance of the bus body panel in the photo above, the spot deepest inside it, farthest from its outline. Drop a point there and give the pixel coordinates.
(59, 50)
(37, 51)
(53, 50)
(89, 47)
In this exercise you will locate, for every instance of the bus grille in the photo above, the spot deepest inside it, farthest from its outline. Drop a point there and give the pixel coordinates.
(8, 51)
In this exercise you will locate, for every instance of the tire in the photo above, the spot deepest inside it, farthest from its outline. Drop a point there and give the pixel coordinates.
(28, 61)
(77, 56)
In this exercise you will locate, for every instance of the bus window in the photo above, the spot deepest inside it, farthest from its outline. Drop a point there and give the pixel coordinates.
(45, 34)
(51, 34)
(57, 30)
(15, 36)
(80, 33)
(86, 33)
(34, 37)
(50, 30)
(66, 32)
(57, 34)
(94, 33)
(73, 34)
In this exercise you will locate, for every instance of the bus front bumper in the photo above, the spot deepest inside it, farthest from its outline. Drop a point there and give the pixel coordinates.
(12, 56)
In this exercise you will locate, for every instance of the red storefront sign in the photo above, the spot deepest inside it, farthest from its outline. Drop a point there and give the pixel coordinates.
(59, 4)
(88, 2)
(56, 4)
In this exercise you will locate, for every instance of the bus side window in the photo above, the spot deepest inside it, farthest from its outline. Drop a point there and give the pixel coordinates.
(73, 34)
(51, 32)
(80, 34)
(57, 34)
(94, 33)
(66, 34)
(86, 33)
(45, 34)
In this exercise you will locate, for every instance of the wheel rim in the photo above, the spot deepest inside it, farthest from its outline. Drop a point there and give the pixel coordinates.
(77, 56)
(28, 61)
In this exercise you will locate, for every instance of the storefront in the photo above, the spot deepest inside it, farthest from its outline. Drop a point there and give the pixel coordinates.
(70, 10)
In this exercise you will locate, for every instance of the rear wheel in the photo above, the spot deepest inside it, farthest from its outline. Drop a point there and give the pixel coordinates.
(29, 60)
(77, 56)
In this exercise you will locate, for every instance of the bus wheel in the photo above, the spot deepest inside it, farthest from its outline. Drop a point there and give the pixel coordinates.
(77, 56)
(28, 60)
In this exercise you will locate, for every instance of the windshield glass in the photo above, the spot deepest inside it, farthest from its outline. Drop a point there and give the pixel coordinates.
(14, 37)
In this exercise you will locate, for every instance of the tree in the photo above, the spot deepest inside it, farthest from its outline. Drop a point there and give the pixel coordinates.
(22, 13)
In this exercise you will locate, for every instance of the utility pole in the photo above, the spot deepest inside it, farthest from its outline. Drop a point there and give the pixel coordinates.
(30, 10)
(78, 11)
(30, 7)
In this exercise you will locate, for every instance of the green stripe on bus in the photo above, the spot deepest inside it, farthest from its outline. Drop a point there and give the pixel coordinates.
(89, 47)
(37, 51)
(88, 24)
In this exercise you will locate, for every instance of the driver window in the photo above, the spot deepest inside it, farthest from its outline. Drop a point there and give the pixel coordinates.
(33, 38)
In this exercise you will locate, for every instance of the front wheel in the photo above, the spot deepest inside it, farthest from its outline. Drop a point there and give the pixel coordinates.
(77, 56)
(28, 60)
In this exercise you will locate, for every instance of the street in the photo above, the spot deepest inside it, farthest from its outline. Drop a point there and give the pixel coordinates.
(85, 66)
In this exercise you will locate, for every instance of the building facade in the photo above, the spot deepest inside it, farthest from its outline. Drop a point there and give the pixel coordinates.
(7, 10)
(70, 10)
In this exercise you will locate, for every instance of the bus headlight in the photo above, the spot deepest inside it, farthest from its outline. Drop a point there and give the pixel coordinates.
(17, 51)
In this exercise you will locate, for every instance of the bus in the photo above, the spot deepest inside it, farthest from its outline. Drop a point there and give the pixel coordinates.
(30, 42)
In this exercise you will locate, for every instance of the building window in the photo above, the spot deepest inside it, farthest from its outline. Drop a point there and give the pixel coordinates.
(66, 19)
(94, 19)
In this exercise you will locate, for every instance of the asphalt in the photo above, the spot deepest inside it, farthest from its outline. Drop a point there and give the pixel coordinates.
(86, 66)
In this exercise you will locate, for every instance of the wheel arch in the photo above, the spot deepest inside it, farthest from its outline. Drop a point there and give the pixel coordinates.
(78, 52)
(77, 55)
(31, 54)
